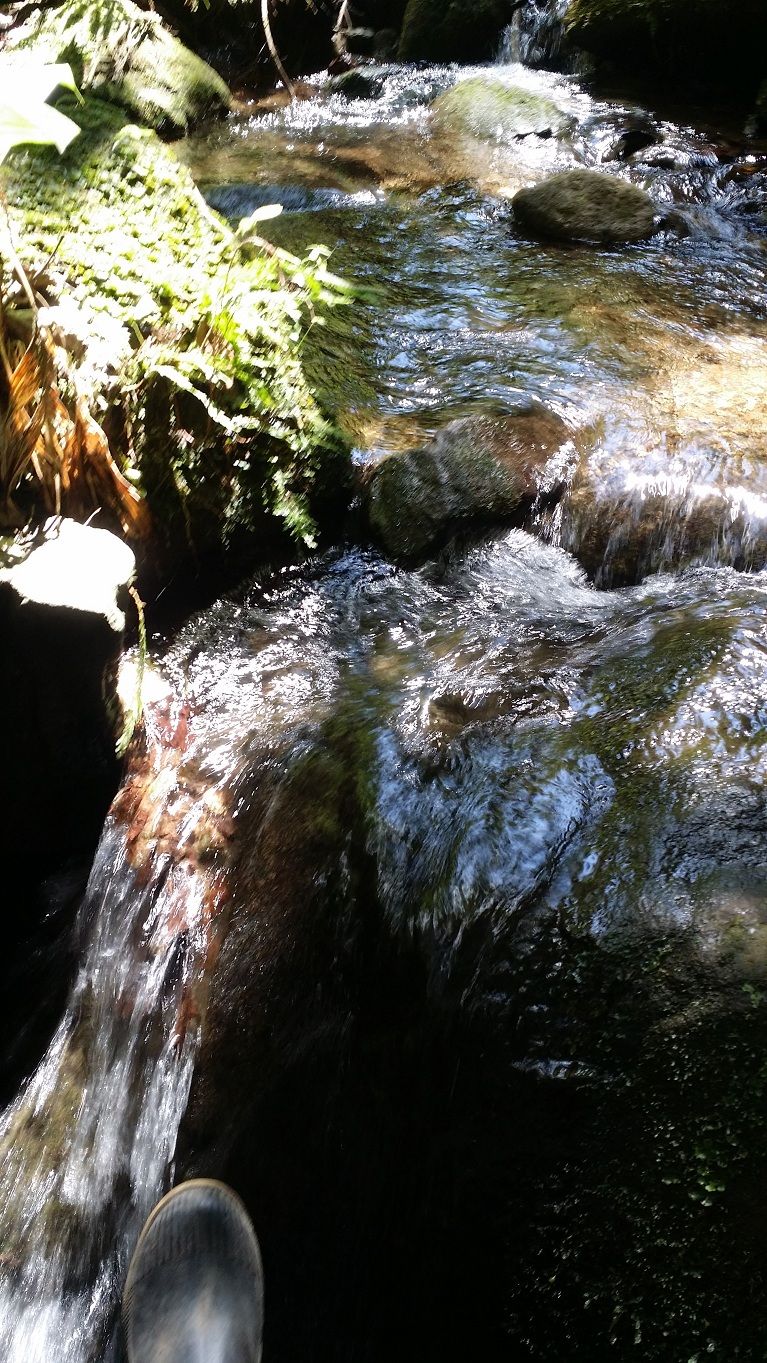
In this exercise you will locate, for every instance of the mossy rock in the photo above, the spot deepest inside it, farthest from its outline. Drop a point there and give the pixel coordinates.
(490, 109)
(478, 470)
(696, 41)
(585, 205)
(207, 404)
(126, 55)
(361, 82)
(452, 30)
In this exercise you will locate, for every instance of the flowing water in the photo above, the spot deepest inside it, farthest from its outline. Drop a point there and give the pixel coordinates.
(478, 848)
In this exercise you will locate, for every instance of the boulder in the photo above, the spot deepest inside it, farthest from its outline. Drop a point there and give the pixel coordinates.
(585, 205)
(126, 55)
(538, 944)
(695, 42)
(360, 42)
(61, 614)
(491, 109)
(453, 30)
(476, 471)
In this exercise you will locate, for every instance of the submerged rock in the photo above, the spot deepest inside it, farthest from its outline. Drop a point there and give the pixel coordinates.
(61, 615)
(584, 205)
(534, 940)
(477, 470)
(490, 109)
(124, 54)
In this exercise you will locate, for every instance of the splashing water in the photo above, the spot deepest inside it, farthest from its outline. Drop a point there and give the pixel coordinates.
(87, 1147)
(534, 36)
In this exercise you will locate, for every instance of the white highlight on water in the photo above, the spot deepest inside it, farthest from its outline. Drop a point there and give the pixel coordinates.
(86, 1148)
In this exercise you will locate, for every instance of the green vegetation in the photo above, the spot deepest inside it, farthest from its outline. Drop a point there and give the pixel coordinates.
(152, 359)
(194, 368)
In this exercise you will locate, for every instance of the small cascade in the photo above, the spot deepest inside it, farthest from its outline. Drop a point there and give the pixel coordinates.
(87, 1146)
(534, 36)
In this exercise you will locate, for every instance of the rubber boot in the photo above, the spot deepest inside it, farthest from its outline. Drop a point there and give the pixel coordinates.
(195, 1288)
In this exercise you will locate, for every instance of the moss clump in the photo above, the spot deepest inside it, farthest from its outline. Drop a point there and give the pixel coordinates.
(488, 108)
(452, 30)
(206, 401)
(124, 54)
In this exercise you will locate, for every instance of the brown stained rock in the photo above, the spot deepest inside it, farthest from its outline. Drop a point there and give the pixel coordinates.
(290, 901)
(476, 471)
(585, 205)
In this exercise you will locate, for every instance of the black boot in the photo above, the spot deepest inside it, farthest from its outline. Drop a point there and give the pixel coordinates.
(195, 1289)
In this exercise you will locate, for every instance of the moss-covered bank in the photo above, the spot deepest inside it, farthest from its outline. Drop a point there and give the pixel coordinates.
(187, 352)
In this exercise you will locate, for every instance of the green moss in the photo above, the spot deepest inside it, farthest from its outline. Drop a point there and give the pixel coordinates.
(488, 108)
(124, 54)
(209, 404)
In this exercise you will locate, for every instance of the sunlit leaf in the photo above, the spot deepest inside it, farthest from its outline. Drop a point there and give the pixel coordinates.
(25, 118)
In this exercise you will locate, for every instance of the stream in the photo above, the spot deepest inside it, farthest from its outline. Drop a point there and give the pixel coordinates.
(432, 912)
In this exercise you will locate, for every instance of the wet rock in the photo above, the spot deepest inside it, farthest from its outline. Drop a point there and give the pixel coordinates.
(361, 82)
(126, 55)
(61, 611)
(360, 42)
(491, 109)
(640, 133)
(460, 30)
(385, 45)
(757, 123)
(535, 946)
(477, 470)
(584, 205)
(631, 527)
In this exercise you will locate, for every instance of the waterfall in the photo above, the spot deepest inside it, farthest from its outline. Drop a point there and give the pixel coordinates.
(87, 1147)
(534, 36)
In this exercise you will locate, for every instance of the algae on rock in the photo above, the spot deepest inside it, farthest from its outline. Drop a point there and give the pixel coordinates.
(126, 55)
(492, 109)
(204, 399)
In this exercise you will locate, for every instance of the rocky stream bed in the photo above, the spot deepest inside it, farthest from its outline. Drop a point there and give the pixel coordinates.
(432, 911)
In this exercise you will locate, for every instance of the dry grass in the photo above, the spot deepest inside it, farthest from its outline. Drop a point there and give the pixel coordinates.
(54, 456)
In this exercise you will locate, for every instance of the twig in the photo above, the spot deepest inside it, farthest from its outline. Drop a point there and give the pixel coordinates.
(284, 77)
